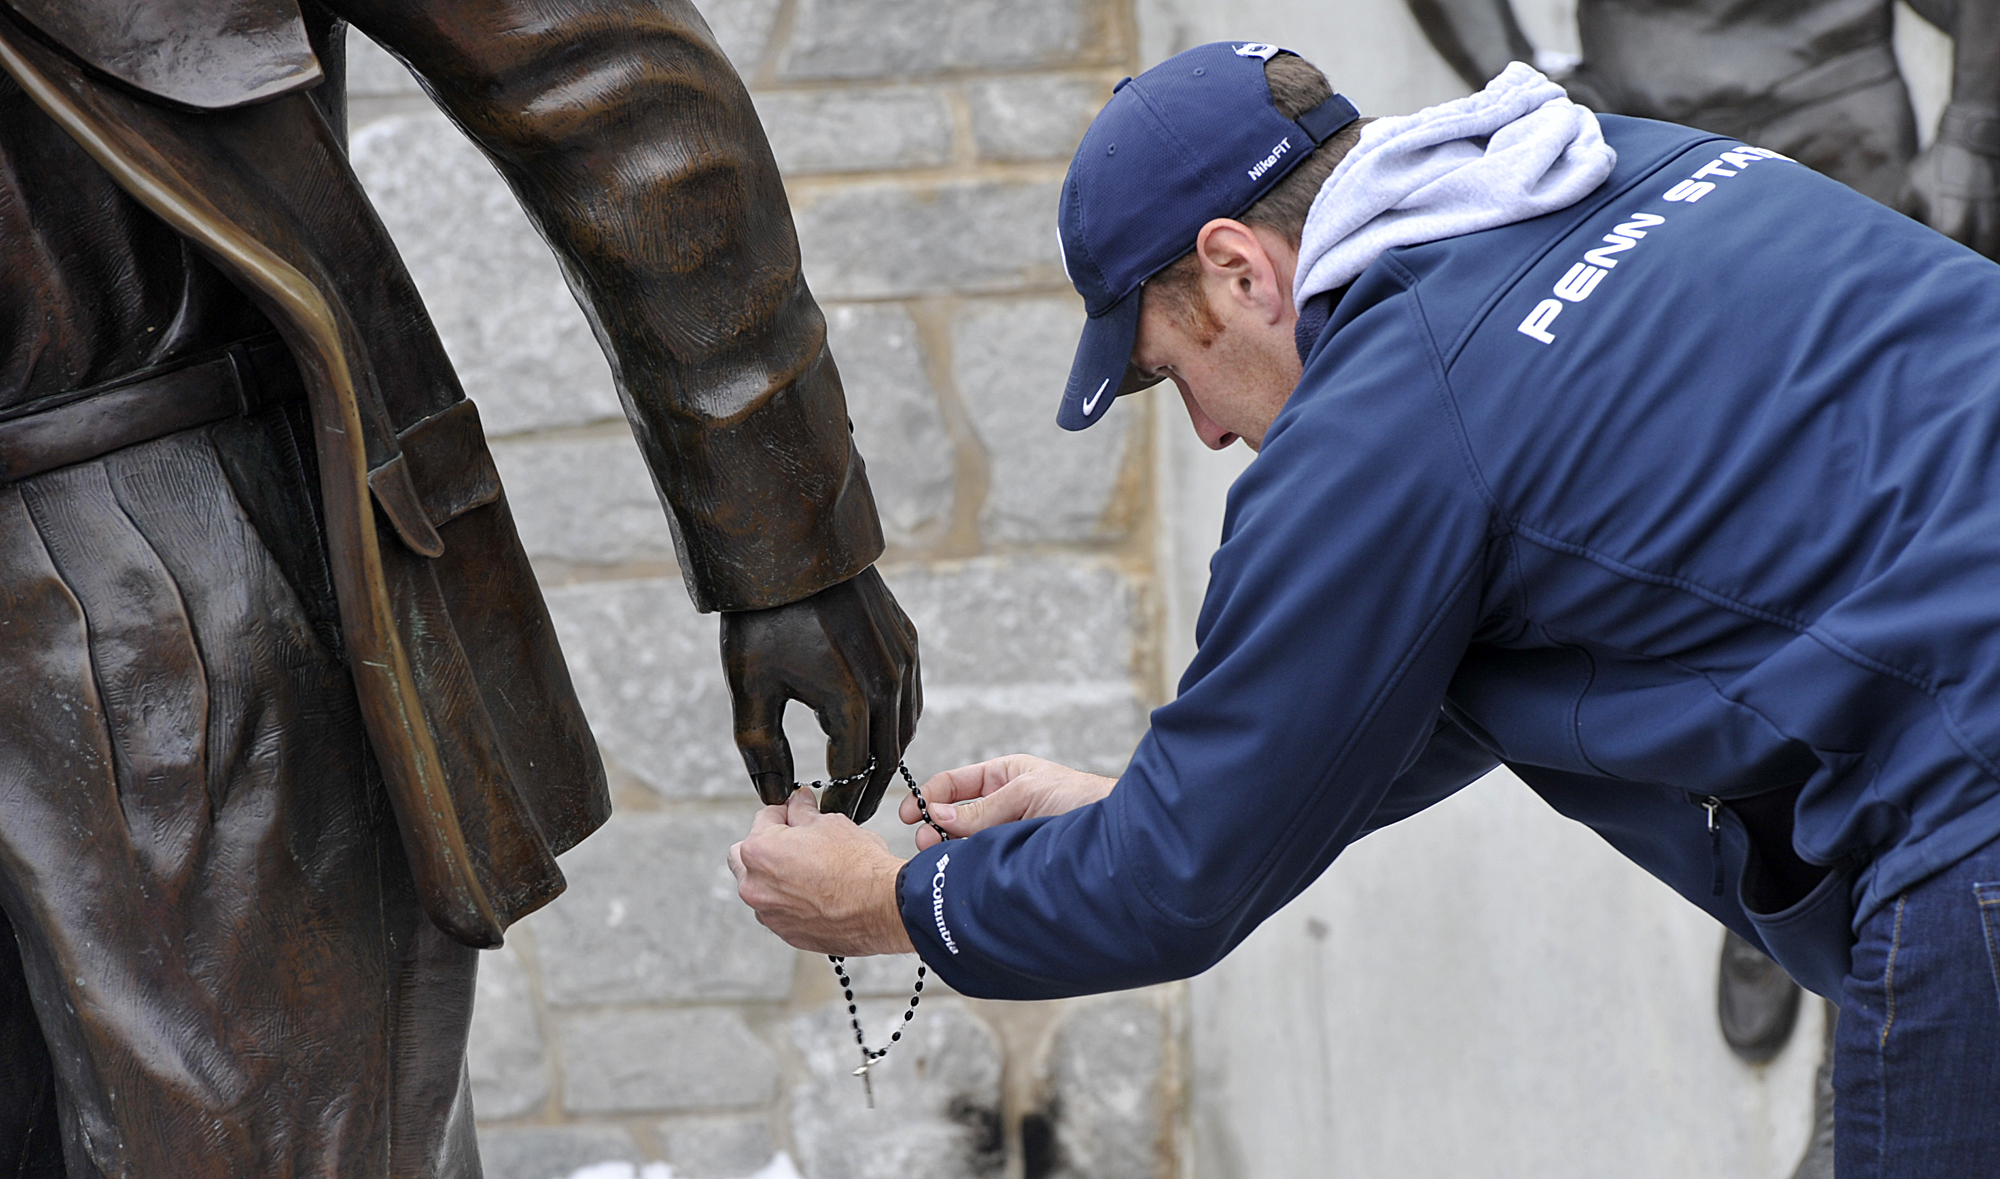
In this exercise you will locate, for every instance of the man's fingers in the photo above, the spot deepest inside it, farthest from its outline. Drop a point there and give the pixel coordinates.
(801, 809)
(736, 868)
(768, 817)
(760, 738)
(963, 782)
(952, 786)
(986, 777)
(1004, 805)
(1005, 790)
(969, 814)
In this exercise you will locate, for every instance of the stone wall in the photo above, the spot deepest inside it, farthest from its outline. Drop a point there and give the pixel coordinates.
(645, 1015)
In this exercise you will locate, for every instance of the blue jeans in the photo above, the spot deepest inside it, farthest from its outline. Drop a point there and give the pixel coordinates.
(1916, 1072)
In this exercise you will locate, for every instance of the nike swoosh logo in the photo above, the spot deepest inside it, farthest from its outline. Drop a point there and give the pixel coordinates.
(1090, 405)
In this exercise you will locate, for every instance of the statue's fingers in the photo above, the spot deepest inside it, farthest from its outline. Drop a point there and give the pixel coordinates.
(845, 721)
(885, 745)
(760, 738)
(912, 701)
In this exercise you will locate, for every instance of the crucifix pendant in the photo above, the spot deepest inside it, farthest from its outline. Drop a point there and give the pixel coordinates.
(867, 1086)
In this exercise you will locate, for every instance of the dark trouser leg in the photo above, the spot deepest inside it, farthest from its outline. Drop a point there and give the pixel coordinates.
(1917, 1051)
(219, 934)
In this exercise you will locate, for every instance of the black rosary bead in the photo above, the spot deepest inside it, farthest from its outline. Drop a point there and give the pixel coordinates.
(869, 1056)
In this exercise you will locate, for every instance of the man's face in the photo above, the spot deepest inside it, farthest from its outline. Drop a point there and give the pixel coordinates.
(1234, 384)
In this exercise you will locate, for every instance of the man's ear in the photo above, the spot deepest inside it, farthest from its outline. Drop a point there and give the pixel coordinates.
(1237, 269)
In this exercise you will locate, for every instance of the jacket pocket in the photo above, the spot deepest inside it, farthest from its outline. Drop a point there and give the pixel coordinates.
(1812, 938)
(1988, 896)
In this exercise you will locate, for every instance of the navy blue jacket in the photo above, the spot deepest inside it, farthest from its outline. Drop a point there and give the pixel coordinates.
(1689, 490)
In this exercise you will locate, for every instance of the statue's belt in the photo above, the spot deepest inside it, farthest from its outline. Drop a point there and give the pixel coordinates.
(75, 427)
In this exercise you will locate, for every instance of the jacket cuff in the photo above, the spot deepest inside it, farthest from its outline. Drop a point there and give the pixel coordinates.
(938, 925)
(916, 882)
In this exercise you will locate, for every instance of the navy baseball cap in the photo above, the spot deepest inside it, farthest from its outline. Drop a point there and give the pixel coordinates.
(1192, 139)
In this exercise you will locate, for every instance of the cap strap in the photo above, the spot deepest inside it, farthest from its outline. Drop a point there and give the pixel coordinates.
(1328, 117)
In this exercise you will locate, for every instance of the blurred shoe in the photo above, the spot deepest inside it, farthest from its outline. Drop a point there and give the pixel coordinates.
(1756, 1001)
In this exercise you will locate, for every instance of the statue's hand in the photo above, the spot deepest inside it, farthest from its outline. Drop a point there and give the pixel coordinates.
(1955, 190)
(848, 653)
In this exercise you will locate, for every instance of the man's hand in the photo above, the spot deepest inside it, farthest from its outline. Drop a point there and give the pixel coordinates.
(820, 882)
(850, 654)
(1003, 790)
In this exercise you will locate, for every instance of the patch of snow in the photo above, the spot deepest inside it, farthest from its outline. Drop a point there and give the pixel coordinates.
(780, 1167)
(619, 1169)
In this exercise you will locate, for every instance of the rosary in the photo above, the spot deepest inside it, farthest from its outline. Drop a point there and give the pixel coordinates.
(870, 1057)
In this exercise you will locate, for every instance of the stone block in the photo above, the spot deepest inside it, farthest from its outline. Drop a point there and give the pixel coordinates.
(663, 1061)
(1010, 360)
(652, 915)
(551, 1152)
(588, 500)
(897, 422)
(648, 670)
(856, 130)
(1018, 119)
(373, 73)
(887, 240)
(1022, 655)
(1106, 1092)
(716, 1148)
(518, 340)
(903, 38)
(1040, 622)
(1092, 727)
(743, 28)
(504, 1053)
(937, 1097)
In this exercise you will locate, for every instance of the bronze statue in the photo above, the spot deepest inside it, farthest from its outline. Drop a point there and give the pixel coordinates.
(1816, 80)
(289, 735)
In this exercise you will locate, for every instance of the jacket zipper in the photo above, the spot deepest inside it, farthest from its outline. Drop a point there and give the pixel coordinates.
(1712, 804)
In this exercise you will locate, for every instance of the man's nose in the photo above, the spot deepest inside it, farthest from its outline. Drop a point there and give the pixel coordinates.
(1211, 433)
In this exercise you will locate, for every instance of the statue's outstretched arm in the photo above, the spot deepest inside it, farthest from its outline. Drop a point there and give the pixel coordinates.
(1476, 37)
(633, 145)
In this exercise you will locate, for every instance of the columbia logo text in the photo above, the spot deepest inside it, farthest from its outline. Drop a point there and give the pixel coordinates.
(937, 904)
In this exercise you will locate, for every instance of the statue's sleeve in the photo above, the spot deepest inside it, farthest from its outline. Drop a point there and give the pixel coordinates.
(632, 144)
(1477, 38)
